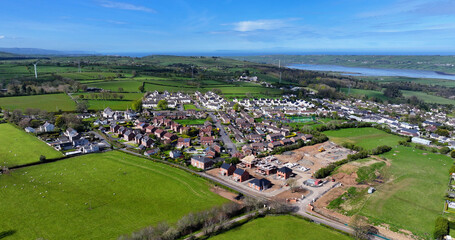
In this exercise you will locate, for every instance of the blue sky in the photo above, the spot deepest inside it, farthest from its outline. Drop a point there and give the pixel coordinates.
(232, 25)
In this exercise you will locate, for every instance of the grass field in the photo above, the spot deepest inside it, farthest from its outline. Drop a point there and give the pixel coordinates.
(428, 98)
(367, 138)
(190, 107)
(415, 195)
(48, 102)
(280, 227)
(191, 121)
(362, 92)
(98, 196)
(100, 104)
(18, 147)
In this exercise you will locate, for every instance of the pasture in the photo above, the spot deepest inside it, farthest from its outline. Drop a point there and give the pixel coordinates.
(48, 102)
(281, 227)
(18, 147)
(98, 196)
(413, 196)
(367, 138)
(428, 98)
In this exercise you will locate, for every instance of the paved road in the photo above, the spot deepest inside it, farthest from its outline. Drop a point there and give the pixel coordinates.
(228, 144)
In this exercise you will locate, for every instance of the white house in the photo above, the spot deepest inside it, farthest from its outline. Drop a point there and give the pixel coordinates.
(47, 127)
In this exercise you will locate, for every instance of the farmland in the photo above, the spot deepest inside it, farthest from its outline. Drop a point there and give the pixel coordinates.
(280, 227)
(48, 102)
(98, 196)
(17, 147)
(428, 98)
(367, 138)
(413, 196)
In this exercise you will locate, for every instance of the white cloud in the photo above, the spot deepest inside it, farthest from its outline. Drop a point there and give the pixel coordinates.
(264, 24)
(1, 36)
(125, 6)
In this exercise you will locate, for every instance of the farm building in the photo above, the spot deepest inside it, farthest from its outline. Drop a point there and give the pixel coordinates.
(284, 172)
(260, 184)
(227, 169)
(420, 141)
(201, 162)
(241, 175)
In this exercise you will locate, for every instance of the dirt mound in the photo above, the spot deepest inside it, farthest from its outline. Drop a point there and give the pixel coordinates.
(346, 179)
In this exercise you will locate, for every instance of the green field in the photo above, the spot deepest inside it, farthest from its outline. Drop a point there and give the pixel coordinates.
(98, 196)
(428, 98)
(366, 93)
(191, 121)
(280, 227)
(114, 104)
(367, 138)
(18, 147)
(414, 195)
(48, 102)
(190, 107)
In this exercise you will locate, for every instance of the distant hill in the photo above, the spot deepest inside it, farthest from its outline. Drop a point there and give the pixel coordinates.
(41, 52)
(7, 55)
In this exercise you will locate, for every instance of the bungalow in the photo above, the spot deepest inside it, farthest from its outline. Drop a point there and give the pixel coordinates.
(142, 126)
(260, 184)
(241, 175)
(29, 130)
(183, 142)
(152, 152)
(284, 172)
(184, 130)
(206, 140)
(175, 154)
(227, 169)
(201, 162)
(90, 148)
(47, 127)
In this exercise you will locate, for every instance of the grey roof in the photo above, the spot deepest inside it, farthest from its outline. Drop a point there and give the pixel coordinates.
(285, 170)
(225, 166)
(239, 171)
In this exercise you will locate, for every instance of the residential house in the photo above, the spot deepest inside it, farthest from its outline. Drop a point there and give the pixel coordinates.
(47, 127)
(260, 184)
(240, 175)
(175, 154)
(206, 141)
(227, 169)
(201, 162)
(284, 172)
(183, 142)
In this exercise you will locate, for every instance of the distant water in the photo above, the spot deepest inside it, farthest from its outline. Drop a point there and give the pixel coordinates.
(358, 71)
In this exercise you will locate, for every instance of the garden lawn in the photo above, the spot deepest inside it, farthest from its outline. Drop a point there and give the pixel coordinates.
(367, 138)
(18, 147)
(281, 227)
(48, 102)
(98, 196)
(191, 121)
(415, 196)
(190, 107)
